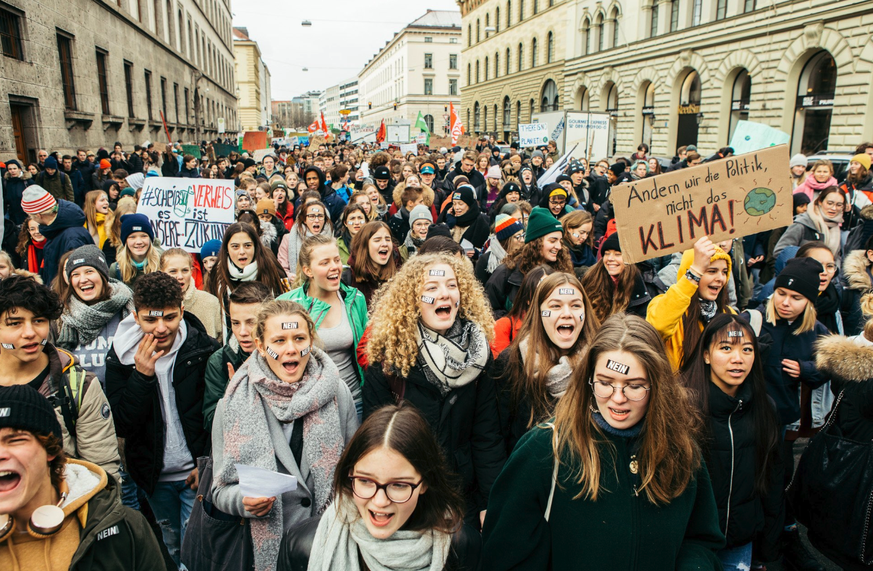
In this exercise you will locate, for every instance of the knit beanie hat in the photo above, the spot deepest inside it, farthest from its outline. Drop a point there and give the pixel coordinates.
(420, 212)
(13, 162)
(277, 182)
(438, 230)
(554, 189)
(575, 166)
(105, 164)
(382, 173)
(688, 259)
(801, 275)
(36, 199)
(862, 158)
(153, 172)
(210, 248)
(89, 255)
(466, 193)
(131, 223)
(136, 180)
(617, 168)
(127, 191)
(563, 177)
(23, 408)
(493, 172)
(537, 154)
(507, 226)
(266, 206)
(510, 187)
(540, 223)
(52, 163)
(611, 243)
(798, 160)
(800, 199)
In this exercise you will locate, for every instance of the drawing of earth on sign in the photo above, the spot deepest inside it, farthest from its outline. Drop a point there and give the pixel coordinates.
(759, 201)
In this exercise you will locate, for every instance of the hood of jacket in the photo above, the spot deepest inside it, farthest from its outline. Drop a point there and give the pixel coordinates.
(427, 195)
(806, 221)
(856, 268)
(840, 357)
(321, 179)
(69, 216)
(25, 175)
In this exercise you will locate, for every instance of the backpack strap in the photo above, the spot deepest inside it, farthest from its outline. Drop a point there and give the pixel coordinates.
(554, 480)
(73, 388)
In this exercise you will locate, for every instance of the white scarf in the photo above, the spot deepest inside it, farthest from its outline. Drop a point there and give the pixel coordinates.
(497, 254)
(247, 274)
(341, 535)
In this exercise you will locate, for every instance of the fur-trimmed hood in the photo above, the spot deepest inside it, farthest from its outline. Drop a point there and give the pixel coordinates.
(25, 175)
(427, 195)
(856, 269)
(845, 359)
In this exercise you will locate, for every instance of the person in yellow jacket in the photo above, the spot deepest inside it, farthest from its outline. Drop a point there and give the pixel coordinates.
(700, 292)
(96, 215)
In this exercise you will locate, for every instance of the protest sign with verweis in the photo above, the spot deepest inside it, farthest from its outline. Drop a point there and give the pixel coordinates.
(186, 213)
(724, 199)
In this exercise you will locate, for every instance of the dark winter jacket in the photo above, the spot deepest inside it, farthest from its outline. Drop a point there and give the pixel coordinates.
(621, 531)
(598, 186)
(86, 168)
(501, 289)
(329, 197)
(185, 172)
(136, 404)
(465, 422)
(514, 416)
(477, 181)
(731, 460)
(857, 278)
(13, 191)
(476, 233)
(216, 377)
(58, 185)
(66, 233)
(800, 232)
(79, 186)
(849, 364)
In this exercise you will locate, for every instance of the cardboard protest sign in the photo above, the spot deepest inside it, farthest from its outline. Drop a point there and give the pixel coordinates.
(259, 155)
(533, 134)
(187, 212)
(410, 148)
(254, 140)
(751, 136)
(724, 199)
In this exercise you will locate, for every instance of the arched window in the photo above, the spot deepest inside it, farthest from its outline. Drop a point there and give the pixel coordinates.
(468, 118)
(536, 7)
(477, 71)
(495, 117)
(599, 26)
(468, 74)
(689, 110)
(469, 35)
(615, 27)
(508, 58)
(507, 113)
(815, 103)
(508, 13)
(520, 56)
(484, 118)
(550, 47)
(487, 68)
(497, 19)
(533, 53)
(612, 109)
(648, 111)
(476, 117)
(520, 10)
(477, 31)
(583, 99)
(517, 114)
(741, 95)
(496, 65)
(487, 20)
(549, 98)
(586, 37)
(653, 21)
(428, 119)
(532, 110)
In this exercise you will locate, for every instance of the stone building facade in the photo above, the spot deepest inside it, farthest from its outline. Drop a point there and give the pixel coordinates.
(87, 73)
(678, 72)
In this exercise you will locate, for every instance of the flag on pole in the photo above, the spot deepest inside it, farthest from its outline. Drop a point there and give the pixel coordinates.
(456, 125)
(382, 133)
(324, 125)
(556, 169)
(313, 127)
(422, 124)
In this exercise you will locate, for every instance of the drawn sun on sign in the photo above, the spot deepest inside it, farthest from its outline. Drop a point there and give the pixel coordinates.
(760, 201)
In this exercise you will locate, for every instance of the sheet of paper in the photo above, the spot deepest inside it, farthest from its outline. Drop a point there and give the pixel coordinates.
(260, 483)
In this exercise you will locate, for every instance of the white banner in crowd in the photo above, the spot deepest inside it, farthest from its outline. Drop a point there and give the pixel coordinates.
(410, 148)
(532, 134)
(187, 212)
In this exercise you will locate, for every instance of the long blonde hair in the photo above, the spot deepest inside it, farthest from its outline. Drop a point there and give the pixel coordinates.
(91, 213)
(396, 313)
(867, 310)
(807, 322)
(125, 263)
(126, 205)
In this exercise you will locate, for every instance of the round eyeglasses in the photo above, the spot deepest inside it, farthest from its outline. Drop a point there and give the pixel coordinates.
(397, 492)
(632, 392)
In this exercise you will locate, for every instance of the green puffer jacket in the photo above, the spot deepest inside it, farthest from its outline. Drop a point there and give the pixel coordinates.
(356, 309)
(216, 376)
(620, 531)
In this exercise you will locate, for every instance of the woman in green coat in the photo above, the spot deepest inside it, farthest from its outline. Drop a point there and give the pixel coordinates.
(632, 492)
(339, 311)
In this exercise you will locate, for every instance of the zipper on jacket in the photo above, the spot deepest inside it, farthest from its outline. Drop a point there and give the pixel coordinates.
(727, 519)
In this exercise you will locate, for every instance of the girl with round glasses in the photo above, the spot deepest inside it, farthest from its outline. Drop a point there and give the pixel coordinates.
(617, 480)
(312, 219)
(395, 506)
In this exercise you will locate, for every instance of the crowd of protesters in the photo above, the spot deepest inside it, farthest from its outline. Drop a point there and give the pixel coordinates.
(447, 352)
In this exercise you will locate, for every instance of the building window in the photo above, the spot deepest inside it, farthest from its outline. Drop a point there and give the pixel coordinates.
(520, 56)
(517, 114)
(533, 53)
(600, 39)
(476, 117)
(428, 120)
(453, 61)
(176, 100)
(428, 40)
(612, 109)
(586, 37)
(550, 47)
(148, 90)
(497, 19)
(749, 6)
(102, 84)
(171, 39)
(507, 113)
(674, 15)
(508, 13)
(159, 20)
(187, 108)
(468, 74)
(469, 35)
(741, 96)
(720, 9)
(615, 28)
(10, 34)
(487, 68)
(164, 97)
(520, 10)
(477, 31)
(696, 9)
(428, 86)
(532, 110)
(128, 87)
(814, 107)
(453, 87)
(496, 65)
(477, 71)
(648, 112)
(536, 7)
(508, 54)
(549, 99)
(428, 61)
(65, 54)
(653, 23)
(485, 118)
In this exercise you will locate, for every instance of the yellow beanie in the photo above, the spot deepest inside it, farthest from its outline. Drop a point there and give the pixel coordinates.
(688, 259)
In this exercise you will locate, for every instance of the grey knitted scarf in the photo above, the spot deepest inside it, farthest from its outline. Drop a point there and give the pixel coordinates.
(81, 323)
(454, 359)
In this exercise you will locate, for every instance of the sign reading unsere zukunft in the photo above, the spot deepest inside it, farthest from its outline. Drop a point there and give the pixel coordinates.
(186, 213)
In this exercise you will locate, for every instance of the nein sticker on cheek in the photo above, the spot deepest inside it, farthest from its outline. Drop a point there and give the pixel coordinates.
(272, 354)
(156, 313)
(426, 299)
(437, 273)
(290, 325)
(566, 291)
(43, 342)
(735, 333)
(582, 317)
(546, 313)
(7, 345)
(305, 351)
(617, 367)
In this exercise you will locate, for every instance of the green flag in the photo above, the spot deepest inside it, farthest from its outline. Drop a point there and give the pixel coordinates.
(420, 123)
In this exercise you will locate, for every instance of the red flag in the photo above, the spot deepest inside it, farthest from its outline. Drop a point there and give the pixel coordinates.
(313, 127)
(456, 125)
(382, 133)
(323, 125)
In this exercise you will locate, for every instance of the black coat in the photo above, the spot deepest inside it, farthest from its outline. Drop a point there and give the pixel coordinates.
(598, 186)
(731, 460)
(477, 181)
(514, 416)
(86, 168)
(13, 191)
(136, 405)
(501, 289)
(465, 423)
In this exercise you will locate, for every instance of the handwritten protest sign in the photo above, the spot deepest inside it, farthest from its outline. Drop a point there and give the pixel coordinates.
(186, 213)
(533, 134)
(410, 148)
(724, 199)
(254, 140)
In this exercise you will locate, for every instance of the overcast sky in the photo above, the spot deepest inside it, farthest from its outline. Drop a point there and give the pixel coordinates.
(344, 36)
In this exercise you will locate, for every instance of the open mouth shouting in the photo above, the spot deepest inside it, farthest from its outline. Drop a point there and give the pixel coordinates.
(383, 253)
(380, 519)
(443, 310)
(566, 331)
(619, 414)
(9, 480)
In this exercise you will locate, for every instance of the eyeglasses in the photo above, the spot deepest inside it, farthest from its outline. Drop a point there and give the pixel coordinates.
(556, 202)
(315, 216)
(397, 492)
(605, 390)
(519, 237)
(830, 268)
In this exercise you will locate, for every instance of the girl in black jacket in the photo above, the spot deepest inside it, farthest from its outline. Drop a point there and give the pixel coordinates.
(428, 345)
(741, 438)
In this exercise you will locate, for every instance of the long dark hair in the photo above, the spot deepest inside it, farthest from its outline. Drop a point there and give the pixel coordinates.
(269, 271)
(401, 428)
(607, 296)
(696, 376)
(530, 256)
(527, 290)
(364, 269)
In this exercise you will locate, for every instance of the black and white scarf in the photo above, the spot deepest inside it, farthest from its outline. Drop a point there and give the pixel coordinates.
(455, 359)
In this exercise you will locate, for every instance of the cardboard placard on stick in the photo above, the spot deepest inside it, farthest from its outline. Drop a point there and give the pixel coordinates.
(724, 199)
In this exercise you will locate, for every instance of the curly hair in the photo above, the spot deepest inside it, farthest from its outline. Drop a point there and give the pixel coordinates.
(396, 314)
(531, 255)
(25, 293)
(157, 290)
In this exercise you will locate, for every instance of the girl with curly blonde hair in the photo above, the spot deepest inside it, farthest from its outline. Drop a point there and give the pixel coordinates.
(429, 335)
